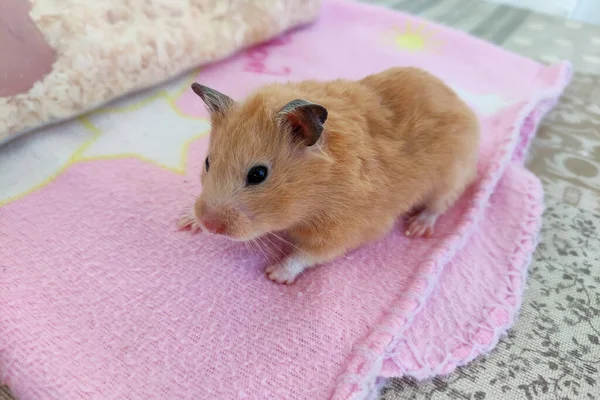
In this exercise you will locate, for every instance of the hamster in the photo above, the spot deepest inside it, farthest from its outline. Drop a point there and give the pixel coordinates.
(334, 164)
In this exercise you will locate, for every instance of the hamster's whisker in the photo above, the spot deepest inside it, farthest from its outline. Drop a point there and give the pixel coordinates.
(291, 244)
(261, 249)
(274, 253)
(274, 245)
(252, 246)
(271, 253)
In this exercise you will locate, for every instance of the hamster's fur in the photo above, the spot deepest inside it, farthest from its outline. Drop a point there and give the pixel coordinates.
(343, 161)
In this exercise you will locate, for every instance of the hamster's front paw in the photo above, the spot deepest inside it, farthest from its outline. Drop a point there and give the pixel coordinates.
(421, 224)
(280, 273)
(189, 222)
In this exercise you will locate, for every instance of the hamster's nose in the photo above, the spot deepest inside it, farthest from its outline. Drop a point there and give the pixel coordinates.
(213, 225)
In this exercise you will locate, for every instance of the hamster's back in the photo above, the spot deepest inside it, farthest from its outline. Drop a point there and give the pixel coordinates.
(435, 129)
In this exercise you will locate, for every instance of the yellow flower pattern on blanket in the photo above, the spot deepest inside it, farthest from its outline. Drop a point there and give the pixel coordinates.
(414, 37)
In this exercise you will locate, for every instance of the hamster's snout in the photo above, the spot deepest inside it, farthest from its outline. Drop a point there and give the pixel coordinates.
(213, 224)
(215, 220)
(222, 219)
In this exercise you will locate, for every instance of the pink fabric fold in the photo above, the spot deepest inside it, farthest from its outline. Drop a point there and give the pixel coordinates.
(102, 298)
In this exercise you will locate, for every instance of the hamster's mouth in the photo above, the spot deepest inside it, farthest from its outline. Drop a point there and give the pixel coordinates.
(242, 238)
(230, 235)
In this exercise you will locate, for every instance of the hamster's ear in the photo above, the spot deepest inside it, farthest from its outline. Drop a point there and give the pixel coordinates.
(304, 120)
(216, 102)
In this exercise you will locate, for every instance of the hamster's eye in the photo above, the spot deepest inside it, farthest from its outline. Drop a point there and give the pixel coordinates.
(207, 164)
(257, 175)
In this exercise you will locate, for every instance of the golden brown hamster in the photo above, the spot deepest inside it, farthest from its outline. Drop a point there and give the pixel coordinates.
(334, 164)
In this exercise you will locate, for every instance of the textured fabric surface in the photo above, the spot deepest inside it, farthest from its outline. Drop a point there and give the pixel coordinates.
(553, 351)
(105, 299)
(5, 393)
(565, 157)
(566, 154)
(539, 36)
(106, 49)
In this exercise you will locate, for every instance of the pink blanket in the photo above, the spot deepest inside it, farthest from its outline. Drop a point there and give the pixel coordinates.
(102, 298)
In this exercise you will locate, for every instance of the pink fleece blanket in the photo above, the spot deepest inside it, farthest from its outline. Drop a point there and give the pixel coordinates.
(102, 298)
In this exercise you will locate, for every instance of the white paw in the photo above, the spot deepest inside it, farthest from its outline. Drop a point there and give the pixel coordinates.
(189, 222)
(420, 225)
(280, 274)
